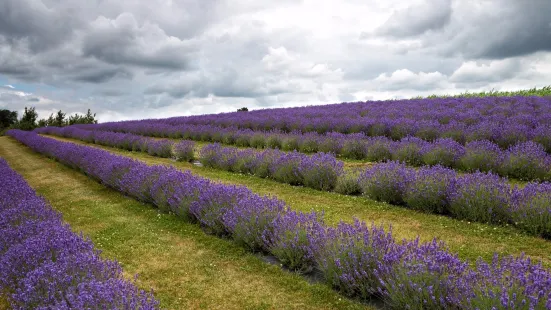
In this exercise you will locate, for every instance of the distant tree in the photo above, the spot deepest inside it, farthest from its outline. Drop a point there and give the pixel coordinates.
(51, 120)
(28, 120)
(59, 119)
(243, 109)
(89, 118)
(7, 118)
(42, 122)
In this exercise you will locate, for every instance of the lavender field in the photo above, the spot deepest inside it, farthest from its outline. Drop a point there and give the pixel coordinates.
(256, 179)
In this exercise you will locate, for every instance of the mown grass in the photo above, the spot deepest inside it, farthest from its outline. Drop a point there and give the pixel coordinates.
(187, 268)
(4, 302)
(469, 240)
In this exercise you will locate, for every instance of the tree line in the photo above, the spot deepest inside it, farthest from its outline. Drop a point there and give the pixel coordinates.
(30, 121)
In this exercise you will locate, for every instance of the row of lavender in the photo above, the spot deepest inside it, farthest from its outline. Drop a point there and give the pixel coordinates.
(505, 121)
(277, 138)
(480, 197)
(43, 264)
(525, 160)
(354, 258)
(183, 150)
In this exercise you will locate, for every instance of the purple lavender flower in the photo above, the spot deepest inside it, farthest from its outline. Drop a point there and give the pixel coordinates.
(427, 277)
(285, 168)
(353, 257)
(292, 239)
(386, 182)
(320, 171)
(378, 149)
(428, 189)
(409, 151)
(531, 208)
(482, 156)
(444, 151)
(254, 218)
(357, 260)
(184, 150)
(43, 264)
(482, 197)
(213, 203)
(526, 161)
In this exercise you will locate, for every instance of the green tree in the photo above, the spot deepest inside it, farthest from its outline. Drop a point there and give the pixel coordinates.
(42, 122)
(51, 120)
(7, 118)
(28, 120)
(243, 109)
(59, 119)
(89, 118)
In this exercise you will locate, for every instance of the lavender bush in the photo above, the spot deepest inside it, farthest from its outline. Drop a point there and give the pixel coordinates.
(378, 149)
(160, 148)
(356, 149)
(274, 141)
(184, 151)
(531, 209)
(444, 151)
(308, 144)
(348, 183)
(409, 151)
(386, 182)
(212, 205)
(44, 265)
(428, 189)
(427, 277)
(482, 155)
(510, 283)
(320, 171)
(286, 168)
(331, 144)
(526, 161)
(354, 257)
(502, 120)
(254, 218)
(293, 239)
(481, 197)
(290, 143)
(258, 141)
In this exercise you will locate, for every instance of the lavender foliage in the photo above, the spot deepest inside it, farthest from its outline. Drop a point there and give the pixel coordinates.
(357, 260)
(386, 182)
(44, 265)
(482, 155)
(428, 189)
(293, 239)
(526, 161)
(531, 208)
(184, 151)
(481, 197)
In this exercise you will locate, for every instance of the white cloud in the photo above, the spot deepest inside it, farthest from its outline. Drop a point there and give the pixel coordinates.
(405, 79)
(132, 59)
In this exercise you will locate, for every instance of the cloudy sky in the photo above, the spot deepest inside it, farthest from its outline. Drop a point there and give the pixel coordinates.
(128, 59)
